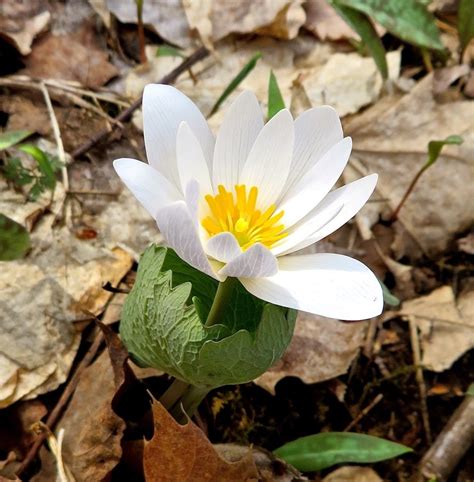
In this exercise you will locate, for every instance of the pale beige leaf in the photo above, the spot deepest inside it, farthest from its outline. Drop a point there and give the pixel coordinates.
(321, 349)
(447, 326)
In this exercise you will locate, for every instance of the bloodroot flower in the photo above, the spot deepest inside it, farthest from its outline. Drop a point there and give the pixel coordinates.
(239, 205)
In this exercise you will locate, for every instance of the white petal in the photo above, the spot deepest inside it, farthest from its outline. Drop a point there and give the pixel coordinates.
(330, 285)
(316, 183)
(179, 231)
(223, 247)
(317, 219)
(351, 197)
(164, 108)
(316, 131)
(191, 196)
(150, 187)
(269, 160)
(242, 123)
(256, 262)
(191, 161)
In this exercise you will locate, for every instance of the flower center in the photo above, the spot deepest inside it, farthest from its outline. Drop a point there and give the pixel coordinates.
(238, 215)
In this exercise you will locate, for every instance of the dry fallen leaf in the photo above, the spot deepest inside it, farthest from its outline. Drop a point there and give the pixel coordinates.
(168, 19)
(16, 435)
(279, 18)
(447, 326)
(198, 13)
(392, 138)
(21, 22)
(353, 473)
(58, 282)
(269, 468)
(325, 23)
(92, 431)
(182, 452)
(321, 349)
(75, 56)
(348, 82)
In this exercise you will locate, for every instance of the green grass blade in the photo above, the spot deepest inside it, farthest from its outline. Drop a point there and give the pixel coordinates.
(169, 51)
(44, 164)
(465, 22)
(10, 138)
(275, 99)
(248, 67)
(364, 27)
(317, 452)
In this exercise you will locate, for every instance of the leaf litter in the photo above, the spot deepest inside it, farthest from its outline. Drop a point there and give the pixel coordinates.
(91, 239)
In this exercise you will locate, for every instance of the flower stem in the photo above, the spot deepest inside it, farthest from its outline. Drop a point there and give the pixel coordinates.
(412, 185)
(188, 403)
(221, 301)
(174, 392)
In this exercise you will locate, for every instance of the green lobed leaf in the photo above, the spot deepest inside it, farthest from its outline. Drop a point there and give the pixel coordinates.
(14, 239)
(465, 22)
(163, 325)
(248, 67)
(323, 450)
(169, 51)
(407, 19)
(364, 27)
(10, 138)
(275, 99)
(435, 148)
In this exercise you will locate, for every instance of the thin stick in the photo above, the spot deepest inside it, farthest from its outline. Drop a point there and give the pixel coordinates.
(198, 55)
(451, 444)
(63, 400)
(57, 134)
(415, 346)
(63, 86)
(364, 412)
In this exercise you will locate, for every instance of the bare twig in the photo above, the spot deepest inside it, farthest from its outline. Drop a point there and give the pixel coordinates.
(57, 135)
(451, 444)
(415, 346)
(64, 86)
(198, 55)
(364, 412)
(63, 400)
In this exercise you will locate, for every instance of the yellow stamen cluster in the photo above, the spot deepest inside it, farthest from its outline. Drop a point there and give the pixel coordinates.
(237, 214)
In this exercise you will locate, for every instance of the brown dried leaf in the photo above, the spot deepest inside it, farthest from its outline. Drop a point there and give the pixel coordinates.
(280, 18)
(182, 452)
(321, 349)
(447, 326)
(21, 22)
(392, 139)
(269, 468)
(325, 23)
(61, 278)
(75, 56)
(353, 473)
(168, 18)
(348, 82)
(16, 435)
(92, 431)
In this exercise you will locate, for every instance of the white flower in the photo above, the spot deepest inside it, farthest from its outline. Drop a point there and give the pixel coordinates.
(240, 204)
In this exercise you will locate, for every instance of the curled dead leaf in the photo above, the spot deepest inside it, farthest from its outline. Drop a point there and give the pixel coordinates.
(321, 349)
(182, 452)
